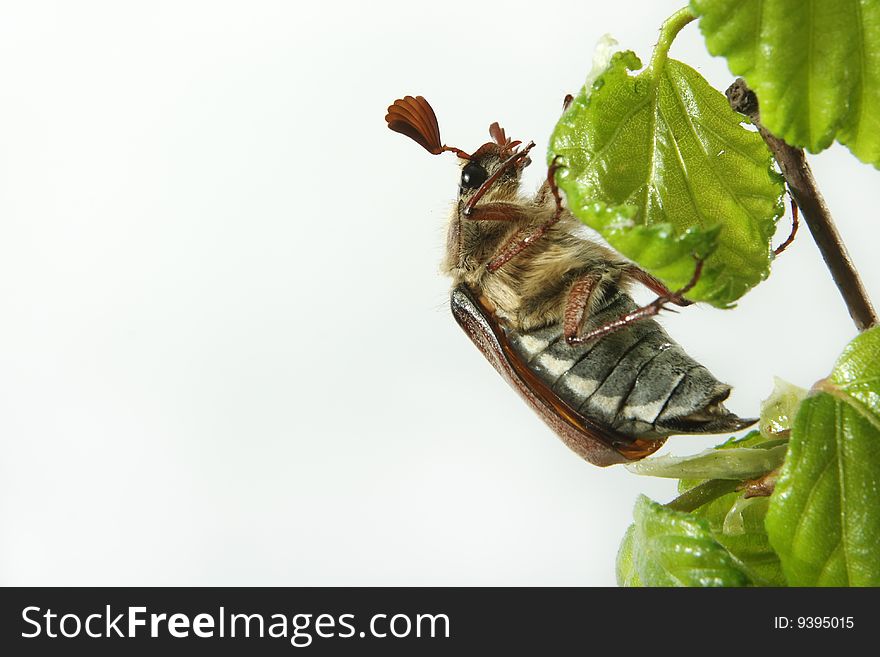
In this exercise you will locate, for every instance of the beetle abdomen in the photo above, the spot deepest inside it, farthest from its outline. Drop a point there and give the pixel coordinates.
(637, 381)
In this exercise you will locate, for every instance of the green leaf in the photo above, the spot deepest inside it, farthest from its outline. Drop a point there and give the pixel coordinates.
(752, 440)
(670, 548)
(717, 463)
(856, 375)
(824, 516)
(779, 409)
(664, 170)
(737, 523)
(626, 569)
(815, 66)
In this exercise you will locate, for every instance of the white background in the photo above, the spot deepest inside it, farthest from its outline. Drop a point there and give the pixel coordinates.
(225, 350)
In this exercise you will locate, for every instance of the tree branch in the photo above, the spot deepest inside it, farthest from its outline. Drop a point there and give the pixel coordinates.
(803, 189)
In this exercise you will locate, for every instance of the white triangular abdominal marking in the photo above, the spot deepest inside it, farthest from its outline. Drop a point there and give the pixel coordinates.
(533, 345)
(555, 366)
(579, 385)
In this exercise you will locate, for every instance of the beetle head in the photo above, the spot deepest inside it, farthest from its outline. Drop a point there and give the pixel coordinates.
(414, 117)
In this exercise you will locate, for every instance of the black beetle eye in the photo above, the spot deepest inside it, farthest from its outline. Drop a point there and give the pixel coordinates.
(472, 176)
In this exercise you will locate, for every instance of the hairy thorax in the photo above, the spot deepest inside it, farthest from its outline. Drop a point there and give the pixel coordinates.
(530, 290)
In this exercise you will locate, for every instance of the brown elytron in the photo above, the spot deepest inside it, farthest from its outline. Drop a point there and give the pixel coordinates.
(550, 312)
(593, 442)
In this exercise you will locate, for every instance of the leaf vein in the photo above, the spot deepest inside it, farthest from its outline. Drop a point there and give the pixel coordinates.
(617, 130)
(800, 523)
(684, 171)
(699, 141)
(839, 439)
(862, 72)
(829, 560)
(758, 31)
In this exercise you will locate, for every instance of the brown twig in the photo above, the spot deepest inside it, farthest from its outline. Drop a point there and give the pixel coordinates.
(763, 486)
(803, 189)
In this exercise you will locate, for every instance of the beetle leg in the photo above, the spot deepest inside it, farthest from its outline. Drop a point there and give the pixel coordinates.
(639, 313)
(654, 284)
(579, 300)
(794, 229)
(547, 184)
(520, 241)
(468, 209)
(525, 237)
(497, 211)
